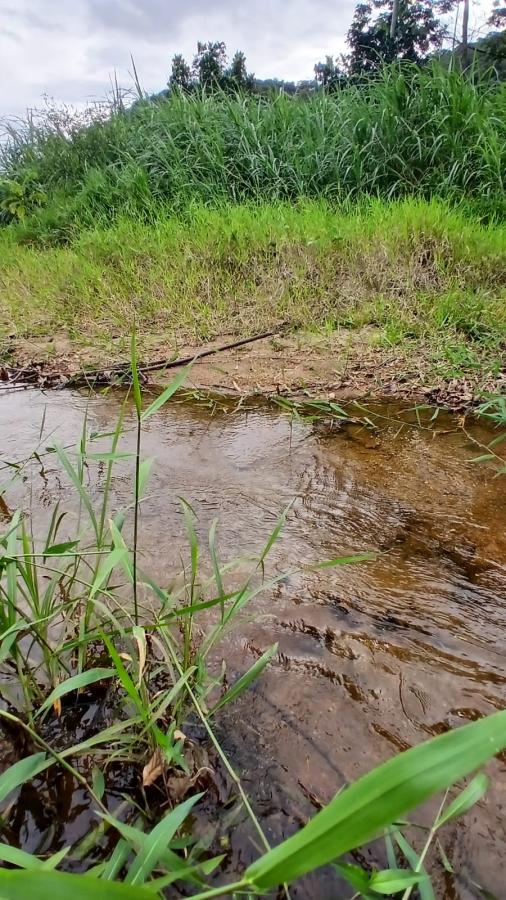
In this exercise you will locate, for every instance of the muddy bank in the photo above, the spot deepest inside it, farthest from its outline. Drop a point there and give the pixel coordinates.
(342, 365)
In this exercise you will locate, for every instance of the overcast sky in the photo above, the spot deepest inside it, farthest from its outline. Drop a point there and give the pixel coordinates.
(68, 49)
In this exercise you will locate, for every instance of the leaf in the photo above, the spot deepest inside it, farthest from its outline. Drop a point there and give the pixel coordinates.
(216, 566)
(245, 680)
(393, 881)
(465, 800)
(425, 887)
(76, 481)
(140, 637)
(55, 859)
(166, 394)
(22, 771)
(354, 875)
(189, 518)
(135, 376)
(59, 549)
(98, 781)
(75, 683)
(44, 885)
(377, 799)
(144, 472)
(19, 858)
(158, 839)
(113, 559)
(154, 768)
(485, 457)
(344, 560)
(447, 866)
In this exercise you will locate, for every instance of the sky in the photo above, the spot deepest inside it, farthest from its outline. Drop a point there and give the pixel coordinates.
(70, 49)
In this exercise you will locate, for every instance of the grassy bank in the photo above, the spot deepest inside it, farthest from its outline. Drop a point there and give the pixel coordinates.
(409, 132)
(417, 270)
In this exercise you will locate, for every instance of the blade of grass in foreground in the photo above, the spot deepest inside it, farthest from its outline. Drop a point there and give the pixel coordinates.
(377, 799)
(22, 771)
(61, 886)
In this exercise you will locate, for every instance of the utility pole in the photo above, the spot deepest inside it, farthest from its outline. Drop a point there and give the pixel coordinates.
(393, 20)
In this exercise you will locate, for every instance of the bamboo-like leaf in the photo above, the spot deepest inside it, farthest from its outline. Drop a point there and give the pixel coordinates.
(22, 771)
(19, 858)
(135, 375)
(474, 791)
(139, 635)
(158, 839)
(447, 866)
(355, 876)
(344, 561)
(76, 481)
(115, 558)
(53, 861)
(216, 566)
(59, 549)
(144, 473)
(245, 680)
(425, 888)
(98, 781)
(76, 683)
(171, 389)
(124, 677)
(393, 881)
(377, 799)
(189, 517)
(18, 885)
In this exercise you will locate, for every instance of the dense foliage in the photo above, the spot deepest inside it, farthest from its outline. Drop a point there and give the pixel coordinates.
(408, 132)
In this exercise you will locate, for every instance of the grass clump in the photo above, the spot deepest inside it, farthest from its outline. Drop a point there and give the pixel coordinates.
(417, 269)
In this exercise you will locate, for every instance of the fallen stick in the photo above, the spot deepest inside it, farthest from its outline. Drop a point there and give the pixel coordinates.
(158, 365)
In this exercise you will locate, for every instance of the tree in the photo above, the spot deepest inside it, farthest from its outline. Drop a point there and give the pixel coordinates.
(209, 63)
(416, 28)
(498, 15)
(237, 77)
(328, 74)
(464, 46)
(180, 76)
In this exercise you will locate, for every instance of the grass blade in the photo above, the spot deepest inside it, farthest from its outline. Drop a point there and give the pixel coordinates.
(76, 683)
(60, 886)
(377, 799)
(465, 800)
(166, 394)
(22, 771)
(245, 680)
(157, 841)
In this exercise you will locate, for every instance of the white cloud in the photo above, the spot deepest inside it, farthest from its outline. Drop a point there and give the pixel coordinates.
(70, 50)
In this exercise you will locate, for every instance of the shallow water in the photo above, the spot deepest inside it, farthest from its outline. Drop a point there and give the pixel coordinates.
(372, 658)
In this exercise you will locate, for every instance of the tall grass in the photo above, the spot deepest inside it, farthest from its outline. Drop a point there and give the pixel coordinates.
(429, 132)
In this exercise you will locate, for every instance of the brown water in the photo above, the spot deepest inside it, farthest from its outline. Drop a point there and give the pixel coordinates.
(373, 658)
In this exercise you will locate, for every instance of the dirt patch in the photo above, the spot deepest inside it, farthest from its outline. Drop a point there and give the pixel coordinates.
(341, 365)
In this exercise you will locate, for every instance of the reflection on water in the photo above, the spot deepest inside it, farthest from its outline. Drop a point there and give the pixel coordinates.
(372, 658)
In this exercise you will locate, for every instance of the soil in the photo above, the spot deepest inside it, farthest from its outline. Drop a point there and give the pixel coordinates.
(342, 365)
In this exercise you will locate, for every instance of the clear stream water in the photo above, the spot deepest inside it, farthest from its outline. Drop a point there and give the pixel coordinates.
(373, 658)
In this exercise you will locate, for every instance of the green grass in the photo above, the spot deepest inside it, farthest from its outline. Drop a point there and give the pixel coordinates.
(410, 132)
(417, 270)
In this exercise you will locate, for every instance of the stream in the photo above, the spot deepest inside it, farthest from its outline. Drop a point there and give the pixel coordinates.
(373, 657)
